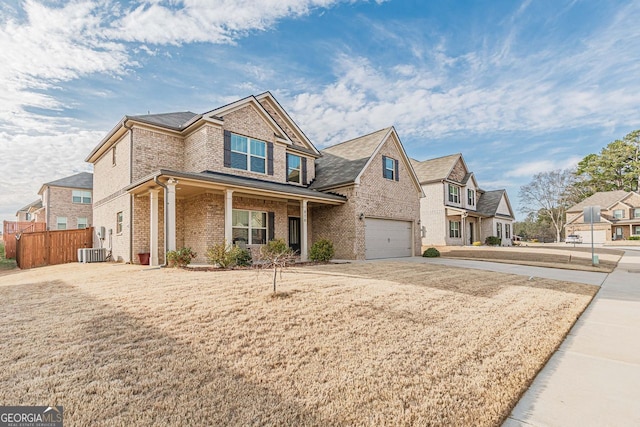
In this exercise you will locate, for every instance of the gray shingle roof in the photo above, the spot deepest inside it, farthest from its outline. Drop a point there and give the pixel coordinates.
(435, 169)
(342, 163)
(604, 199)
(79, 180)
(489, 202)
(241, 181)
(171, 120)
(34, 204)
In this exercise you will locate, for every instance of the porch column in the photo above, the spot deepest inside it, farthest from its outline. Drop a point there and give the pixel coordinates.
(303, 230)
(153, 227)
(463, 227)
(228, 215)
(171, 214)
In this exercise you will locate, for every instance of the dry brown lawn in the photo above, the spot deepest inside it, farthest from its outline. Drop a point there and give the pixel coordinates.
(568, 257)
(355, 344)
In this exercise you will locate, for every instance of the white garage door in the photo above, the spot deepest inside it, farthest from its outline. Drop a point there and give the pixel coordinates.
(599, 236)
(386, 238)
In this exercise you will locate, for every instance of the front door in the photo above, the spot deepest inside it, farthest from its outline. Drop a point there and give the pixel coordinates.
(471, 233)
(294, 233)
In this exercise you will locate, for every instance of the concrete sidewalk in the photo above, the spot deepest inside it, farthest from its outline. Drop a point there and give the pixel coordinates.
(588, 277)
(594, 377)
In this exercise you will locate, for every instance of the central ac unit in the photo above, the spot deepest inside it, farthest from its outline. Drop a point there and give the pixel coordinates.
(92, 255)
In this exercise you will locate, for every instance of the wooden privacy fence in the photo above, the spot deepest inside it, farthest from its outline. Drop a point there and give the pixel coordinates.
(51, 247)
(12, 228)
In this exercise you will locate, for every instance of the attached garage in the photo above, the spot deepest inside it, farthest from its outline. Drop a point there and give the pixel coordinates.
(387, 238)
(599, 236)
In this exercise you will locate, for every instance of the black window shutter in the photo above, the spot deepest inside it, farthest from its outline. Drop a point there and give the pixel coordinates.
(287, 156)
(227, 149)
(384, 166)
(304, 170)
(397, 175)
(270, 158)
(272, 225)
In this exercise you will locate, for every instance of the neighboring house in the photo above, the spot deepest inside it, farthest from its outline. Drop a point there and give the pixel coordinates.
(30, 212)
(66, 203)
(455, 210)
(240, 173)
(619, 217)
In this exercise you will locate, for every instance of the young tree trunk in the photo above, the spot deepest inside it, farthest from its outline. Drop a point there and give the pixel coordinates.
(275, 274)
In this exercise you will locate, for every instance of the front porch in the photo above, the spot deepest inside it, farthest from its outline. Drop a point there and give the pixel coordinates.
(201, 210)
(463, 227)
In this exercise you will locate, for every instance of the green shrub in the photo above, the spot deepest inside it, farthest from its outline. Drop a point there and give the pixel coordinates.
(180, 258)
(275, 247)
(322, 251)
(226, 256)
(431, 253)
(634, 237)
(493, 241)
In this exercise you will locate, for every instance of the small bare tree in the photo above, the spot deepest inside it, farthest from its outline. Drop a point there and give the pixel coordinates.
(277, 255)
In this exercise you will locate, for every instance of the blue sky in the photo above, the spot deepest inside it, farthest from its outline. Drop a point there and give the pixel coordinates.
(516, 87)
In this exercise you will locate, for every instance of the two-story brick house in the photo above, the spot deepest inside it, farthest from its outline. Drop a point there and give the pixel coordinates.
(619, 217)
(240, 173)
(65, 203)
(455, 210)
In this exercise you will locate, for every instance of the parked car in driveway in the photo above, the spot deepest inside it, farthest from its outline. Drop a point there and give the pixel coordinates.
(573, 238)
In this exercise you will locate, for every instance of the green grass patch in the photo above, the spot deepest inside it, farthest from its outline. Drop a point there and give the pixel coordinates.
(5, 264)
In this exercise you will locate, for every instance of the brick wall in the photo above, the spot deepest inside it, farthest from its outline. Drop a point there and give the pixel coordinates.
(375, 197)
(272, 110)
(153, 150)
(61, 205)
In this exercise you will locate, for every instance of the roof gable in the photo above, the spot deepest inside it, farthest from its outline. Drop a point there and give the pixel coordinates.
(344, 163)
(79, 180)
(176, 121)
(489, 202)
(437, 169)
(604, 199)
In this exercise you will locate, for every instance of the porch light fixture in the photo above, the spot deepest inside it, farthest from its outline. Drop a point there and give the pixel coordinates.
(361, 216)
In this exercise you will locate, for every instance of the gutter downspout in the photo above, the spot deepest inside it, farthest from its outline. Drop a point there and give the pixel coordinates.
(130, 129)
(166, 223)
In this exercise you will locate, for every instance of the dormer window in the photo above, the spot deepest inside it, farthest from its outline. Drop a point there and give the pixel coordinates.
(618, 214)
(471, 197)
(454, 193)
(294, 168)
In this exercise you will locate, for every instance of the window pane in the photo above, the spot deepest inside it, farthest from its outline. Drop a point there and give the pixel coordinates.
(238, 161)
(258, 219)
(240, 235)
(86, 200)
(240, 218)
(77, 199)
(389, 163)
(258, 148)
(294, 175)
(257, 164)
(239, 143)
(259, 236)
(294, 161)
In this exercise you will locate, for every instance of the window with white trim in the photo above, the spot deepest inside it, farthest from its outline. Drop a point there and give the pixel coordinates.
(499, 229)
(507, 231)
(636, 213)
(618, 214)
(80, 196)
(82, 222)
(119, 221)
(249, 227)
(454, 229)
(471, 197)
(248, 154)
(636, 229)
(61, 223)
(454, 193)
(294, 168)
